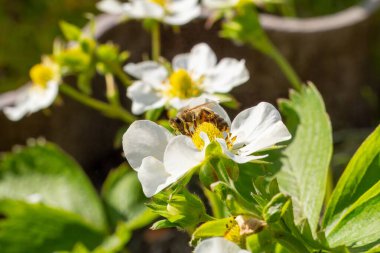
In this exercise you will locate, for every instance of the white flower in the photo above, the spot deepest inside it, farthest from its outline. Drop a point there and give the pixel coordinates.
(195, 74)
(220, 4)
(218, 245)
(161, 158)
(172, 12)
(34, 96)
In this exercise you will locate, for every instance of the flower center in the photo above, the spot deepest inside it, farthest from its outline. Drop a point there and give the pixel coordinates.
(210, 129)
(182, 86)
(162, 3)
(41, 75)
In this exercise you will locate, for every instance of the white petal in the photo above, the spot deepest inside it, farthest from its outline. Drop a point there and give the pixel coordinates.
(110, 6)
(43, 98)
(218, 245)
(142, 139)
(181, 156)
(153, 176)
(238, 158)
(143, 9)
(219, 4)
(144, 97)
(181, 5)
(211, 104)
(200, 59)
(180, 61)
(184, 17)
(228, 74)
(10, 97)
(18, 111)
(258, 127)
(32, 99)
(178, 103)
(146, 68)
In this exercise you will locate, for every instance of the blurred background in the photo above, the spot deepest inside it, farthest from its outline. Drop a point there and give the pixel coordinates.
(329, 44)
(28, 28)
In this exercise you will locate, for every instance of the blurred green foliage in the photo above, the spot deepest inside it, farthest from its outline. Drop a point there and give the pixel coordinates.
(28, 28)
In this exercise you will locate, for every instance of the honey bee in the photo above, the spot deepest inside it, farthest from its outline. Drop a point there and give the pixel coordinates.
(188, 119)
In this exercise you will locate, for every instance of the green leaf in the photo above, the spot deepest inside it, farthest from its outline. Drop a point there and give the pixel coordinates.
(305, 162)
(45, 173)
(36, 228)
(70, 31)
(124, 198)
(362, 172)
(375, 249)
(359, 224)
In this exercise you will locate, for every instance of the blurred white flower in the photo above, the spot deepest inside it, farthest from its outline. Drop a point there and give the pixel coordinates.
(35, 95)
(194, 74)
(220, 4)
(161, 158)
(172, 12)
(218, 245)
(34, 198)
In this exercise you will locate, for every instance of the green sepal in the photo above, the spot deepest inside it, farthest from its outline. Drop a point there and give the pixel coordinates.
(154, 114)
(175, 208)
(273, 211)
(213, 150)
(162, 224)
(70, 31)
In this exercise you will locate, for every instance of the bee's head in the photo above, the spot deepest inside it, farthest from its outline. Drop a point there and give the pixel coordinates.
(176, 123)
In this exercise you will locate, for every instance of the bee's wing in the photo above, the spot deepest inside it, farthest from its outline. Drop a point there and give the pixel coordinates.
(217, 109)
(208, 104)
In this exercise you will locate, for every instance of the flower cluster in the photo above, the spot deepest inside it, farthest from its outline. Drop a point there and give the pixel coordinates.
(194, 74)
(161, 158)
(172, 12)
(177, 12)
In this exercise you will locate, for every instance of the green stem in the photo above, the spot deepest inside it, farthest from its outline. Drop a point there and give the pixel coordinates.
(110, 110)
(285, 67)
(112, 92)
(217, 206)
(242, 202)
(121, 75)
(260, 40)
(156, 41)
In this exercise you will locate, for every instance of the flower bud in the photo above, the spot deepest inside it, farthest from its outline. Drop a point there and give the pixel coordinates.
(183, 209)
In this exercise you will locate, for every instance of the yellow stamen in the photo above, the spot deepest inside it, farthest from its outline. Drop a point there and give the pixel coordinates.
(182, 86)
(159, 2)
(41, 74)
(233, 233)
(210, 129)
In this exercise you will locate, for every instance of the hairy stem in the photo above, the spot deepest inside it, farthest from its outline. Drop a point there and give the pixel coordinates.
(156, 41)
(112, 111)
